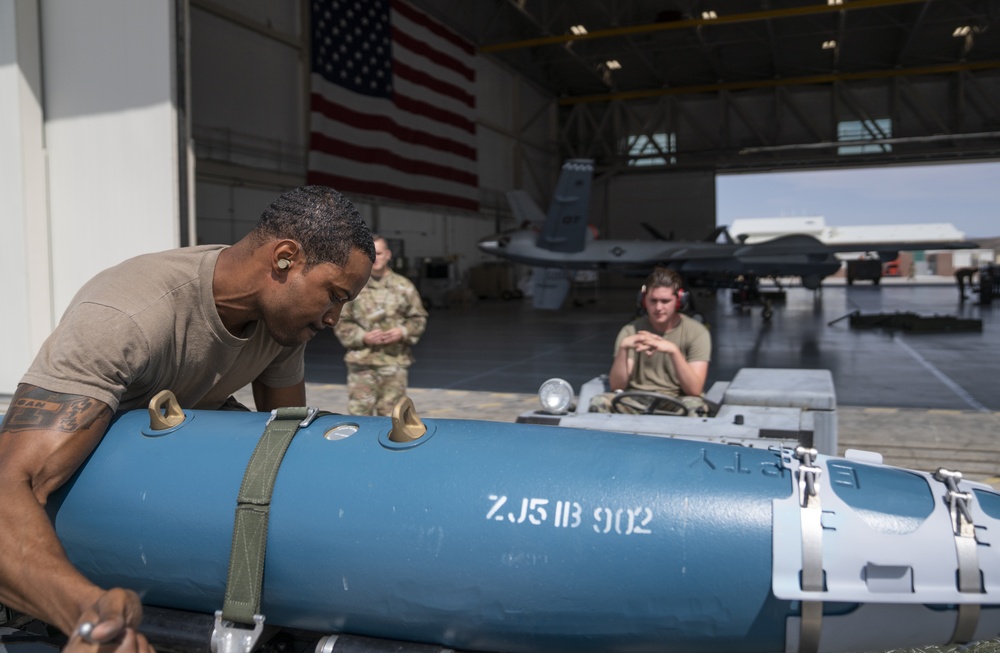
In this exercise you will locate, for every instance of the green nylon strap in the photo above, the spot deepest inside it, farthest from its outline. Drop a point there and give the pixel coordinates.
(246, 558)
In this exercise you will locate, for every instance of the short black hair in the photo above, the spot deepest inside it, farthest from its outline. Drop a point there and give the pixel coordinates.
(321, 220)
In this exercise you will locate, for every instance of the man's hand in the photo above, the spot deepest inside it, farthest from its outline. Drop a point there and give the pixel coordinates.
(380, 337)
(131, 642)
(392, 336)
(647, 342)
(110, 626)
(690, 375)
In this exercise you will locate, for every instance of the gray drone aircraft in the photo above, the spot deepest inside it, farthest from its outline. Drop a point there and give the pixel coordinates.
(560, 242)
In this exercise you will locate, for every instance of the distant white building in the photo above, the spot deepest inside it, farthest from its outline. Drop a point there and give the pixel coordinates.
(760, 229)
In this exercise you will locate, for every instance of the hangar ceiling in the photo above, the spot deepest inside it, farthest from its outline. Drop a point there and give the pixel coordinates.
(742, 85)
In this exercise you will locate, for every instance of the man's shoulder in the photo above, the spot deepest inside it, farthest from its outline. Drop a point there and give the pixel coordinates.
(690, 322)
(640, 323)
(397, 281)
(693, 326)
(156, 266)
(177, 255)
(635, 326)
(146, 279)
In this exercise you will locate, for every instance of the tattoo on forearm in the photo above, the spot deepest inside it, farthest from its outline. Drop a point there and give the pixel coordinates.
(38, 409)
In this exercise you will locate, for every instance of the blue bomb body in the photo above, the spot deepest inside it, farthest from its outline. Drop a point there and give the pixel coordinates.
(491, 536)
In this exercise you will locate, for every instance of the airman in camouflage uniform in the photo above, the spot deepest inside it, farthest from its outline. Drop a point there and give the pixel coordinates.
(378, 329)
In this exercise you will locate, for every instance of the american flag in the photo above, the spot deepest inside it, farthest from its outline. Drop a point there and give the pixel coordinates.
(392, 111)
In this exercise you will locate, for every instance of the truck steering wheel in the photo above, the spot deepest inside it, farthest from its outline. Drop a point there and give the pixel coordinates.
(630, 401)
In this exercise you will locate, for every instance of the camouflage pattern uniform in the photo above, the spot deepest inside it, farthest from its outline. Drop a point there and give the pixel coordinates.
(377, 375)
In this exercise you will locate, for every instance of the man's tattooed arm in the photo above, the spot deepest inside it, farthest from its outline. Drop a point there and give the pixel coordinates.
(34, 408)
(44, 438)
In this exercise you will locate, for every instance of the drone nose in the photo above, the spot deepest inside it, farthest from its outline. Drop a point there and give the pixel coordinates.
(491, 244)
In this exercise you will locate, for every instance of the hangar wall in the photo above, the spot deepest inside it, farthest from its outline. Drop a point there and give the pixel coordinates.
(24, 253)
(93, 145)
(88, 164)
(681, 203)
(249, 108)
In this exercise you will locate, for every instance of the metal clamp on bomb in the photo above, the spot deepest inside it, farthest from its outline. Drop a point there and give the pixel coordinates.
(230, 638)
(311, 414)
(807, 476)
(969, 576)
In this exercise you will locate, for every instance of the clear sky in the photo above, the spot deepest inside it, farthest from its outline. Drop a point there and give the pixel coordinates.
(966, 195)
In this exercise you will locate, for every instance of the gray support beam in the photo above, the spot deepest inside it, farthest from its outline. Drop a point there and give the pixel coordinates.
(680, 110)
(786, 98)
(868, 121)
(732, 103)
(911, 37)
(932, 121)
(987, 97)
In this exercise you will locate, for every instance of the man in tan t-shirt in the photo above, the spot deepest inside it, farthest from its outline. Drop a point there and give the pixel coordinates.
(664, 352)
(200, 321)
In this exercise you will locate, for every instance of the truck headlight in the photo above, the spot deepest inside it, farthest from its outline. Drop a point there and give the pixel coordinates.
(556, 396)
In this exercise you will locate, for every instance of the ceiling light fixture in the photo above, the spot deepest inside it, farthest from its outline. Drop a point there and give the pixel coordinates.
(829, 45)
(578, 30)
(834, 3)
(613, 64)
(709, 15)
(962, 31)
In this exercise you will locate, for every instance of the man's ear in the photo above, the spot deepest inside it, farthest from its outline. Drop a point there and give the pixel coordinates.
(284, 254)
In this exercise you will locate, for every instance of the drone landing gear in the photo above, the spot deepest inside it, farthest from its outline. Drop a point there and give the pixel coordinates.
(748, 295)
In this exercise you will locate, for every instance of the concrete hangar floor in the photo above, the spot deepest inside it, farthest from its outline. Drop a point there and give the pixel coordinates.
(923, 400)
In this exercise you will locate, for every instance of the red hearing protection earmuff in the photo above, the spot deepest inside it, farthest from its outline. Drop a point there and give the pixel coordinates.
(682, 298)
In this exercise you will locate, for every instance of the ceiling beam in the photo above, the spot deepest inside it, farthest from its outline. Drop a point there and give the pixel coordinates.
(788, 81)
(826, 145)
(912, 36)
(296, 41)
(788, 12)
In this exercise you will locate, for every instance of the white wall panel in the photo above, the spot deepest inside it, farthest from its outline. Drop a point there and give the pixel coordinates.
(88, 153)
(428, 235)
(111, 135)
(24, 254)
(516, 134)
(463, 234)
(497, 162)
(423, 232)
(226, 213)
(248, 85)
(496, 94)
